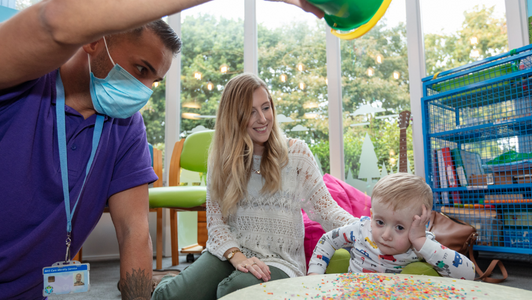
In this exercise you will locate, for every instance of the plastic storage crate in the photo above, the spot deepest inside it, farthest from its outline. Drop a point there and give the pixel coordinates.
(477, 134)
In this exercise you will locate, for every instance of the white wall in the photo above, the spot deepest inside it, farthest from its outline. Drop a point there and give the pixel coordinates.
(103, 245)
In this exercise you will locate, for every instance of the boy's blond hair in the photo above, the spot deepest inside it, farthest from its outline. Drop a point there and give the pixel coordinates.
(402, 190)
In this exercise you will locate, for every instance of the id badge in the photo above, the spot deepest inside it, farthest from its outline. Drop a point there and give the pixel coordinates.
(65, 278)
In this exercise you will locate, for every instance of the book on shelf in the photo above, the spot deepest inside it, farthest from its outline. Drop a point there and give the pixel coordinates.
(459, 165)
(435, 176)
(443, 177)
(472, 163)
(450, 172)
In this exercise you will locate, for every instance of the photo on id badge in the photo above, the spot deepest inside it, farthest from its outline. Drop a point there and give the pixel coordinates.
(65, 279)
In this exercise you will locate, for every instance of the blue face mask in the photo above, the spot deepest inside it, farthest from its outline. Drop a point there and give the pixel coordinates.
(120, 94)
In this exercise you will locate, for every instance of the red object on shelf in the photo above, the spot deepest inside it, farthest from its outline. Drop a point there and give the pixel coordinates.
(451, 173)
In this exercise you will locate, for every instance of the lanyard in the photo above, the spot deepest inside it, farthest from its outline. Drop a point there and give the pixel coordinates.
(61, 137)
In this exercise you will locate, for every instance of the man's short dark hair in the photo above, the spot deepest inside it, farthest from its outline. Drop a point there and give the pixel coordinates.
(161, 29)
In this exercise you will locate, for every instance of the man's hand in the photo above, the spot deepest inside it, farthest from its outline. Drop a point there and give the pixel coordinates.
(417, 235)
(304, 5)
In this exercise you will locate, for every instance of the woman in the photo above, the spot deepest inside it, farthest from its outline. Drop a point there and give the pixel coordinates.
(257, 183)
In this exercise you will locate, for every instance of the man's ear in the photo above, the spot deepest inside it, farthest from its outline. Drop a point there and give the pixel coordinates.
(93, 47)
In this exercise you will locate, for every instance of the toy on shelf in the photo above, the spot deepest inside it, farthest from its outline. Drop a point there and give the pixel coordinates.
(351, 19)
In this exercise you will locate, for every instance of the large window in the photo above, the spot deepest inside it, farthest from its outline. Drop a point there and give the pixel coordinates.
(292, 61)
(460, 32)
(375, 90)
(212, 53)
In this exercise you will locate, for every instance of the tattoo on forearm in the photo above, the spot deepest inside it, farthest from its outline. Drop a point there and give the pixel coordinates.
(136, 286)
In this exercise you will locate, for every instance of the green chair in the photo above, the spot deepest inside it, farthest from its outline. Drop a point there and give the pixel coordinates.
(340, 264)
(191, 154)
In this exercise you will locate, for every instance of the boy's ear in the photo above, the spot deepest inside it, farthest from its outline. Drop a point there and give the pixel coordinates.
(371, 213)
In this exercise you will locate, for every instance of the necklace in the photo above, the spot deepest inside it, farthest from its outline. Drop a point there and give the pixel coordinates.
(256, 171)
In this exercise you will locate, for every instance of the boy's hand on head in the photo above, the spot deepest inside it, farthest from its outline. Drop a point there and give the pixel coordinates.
(417, 234)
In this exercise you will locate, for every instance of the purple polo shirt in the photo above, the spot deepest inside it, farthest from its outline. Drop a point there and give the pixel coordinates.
(33, 217)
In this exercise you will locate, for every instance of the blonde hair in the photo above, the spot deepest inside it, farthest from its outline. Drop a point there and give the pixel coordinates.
(231, 154)
(402, 190)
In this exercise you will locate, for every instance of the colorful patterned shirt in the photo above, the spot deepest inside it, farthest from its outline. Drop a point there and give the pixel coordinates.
(367, 258)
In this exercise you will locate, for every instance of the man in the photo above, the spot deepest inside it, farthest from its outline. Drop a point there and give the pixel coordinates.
(78, 281)
(56, 50)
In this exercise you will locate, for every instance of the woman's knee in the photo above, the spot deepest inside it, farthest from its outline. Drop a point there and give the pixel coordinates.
(162, 290)
(236, 281)
(199, 281)
(239, 280)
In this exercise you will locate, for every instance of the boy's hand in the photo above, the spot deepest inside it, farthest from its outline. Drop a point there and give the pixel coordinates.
(310, 274)
(304, 5)
(417, 235)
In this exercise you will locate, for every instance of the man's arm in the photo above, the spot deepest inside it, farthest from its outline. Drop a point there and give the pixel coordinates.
(129, 211)
(44, 36)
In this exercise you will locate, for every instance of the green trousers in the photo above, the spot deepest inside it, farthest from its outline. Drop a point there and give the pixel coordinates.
(208, 278)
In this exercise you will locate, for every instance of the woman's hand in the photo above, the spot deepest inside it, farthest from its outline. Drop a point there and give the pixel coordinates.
(254, 265)
(417, 235)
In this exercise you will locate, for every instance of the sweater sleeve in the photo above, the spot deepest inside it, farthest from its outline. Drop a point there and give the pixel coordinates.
(330, 242)
(220, 238)
(317, 201)
(445, 261)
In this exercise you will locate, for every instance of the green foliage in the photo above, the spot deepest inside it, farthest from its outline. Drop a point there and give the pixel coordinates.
(444, 52)
(280, 51)
(154, 113)
(360, 55)
(361, 89)
(321, 150)
(208, 43)
(530, 28)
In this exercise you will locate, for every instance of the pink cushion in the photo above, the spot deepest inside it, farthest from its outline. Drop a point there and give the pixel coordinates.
(352, 200)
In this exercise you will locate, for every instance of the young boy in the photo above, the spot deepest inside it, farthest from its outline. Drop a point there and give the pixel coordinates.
(394, 235)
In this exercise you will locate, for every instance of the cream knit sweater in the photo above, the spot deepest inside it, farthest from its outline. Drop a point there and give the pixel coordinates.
(270, 227)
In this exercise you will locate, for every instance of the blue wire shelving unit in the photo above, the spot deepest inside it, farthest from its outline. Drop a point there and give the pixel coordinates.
(477, 135)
